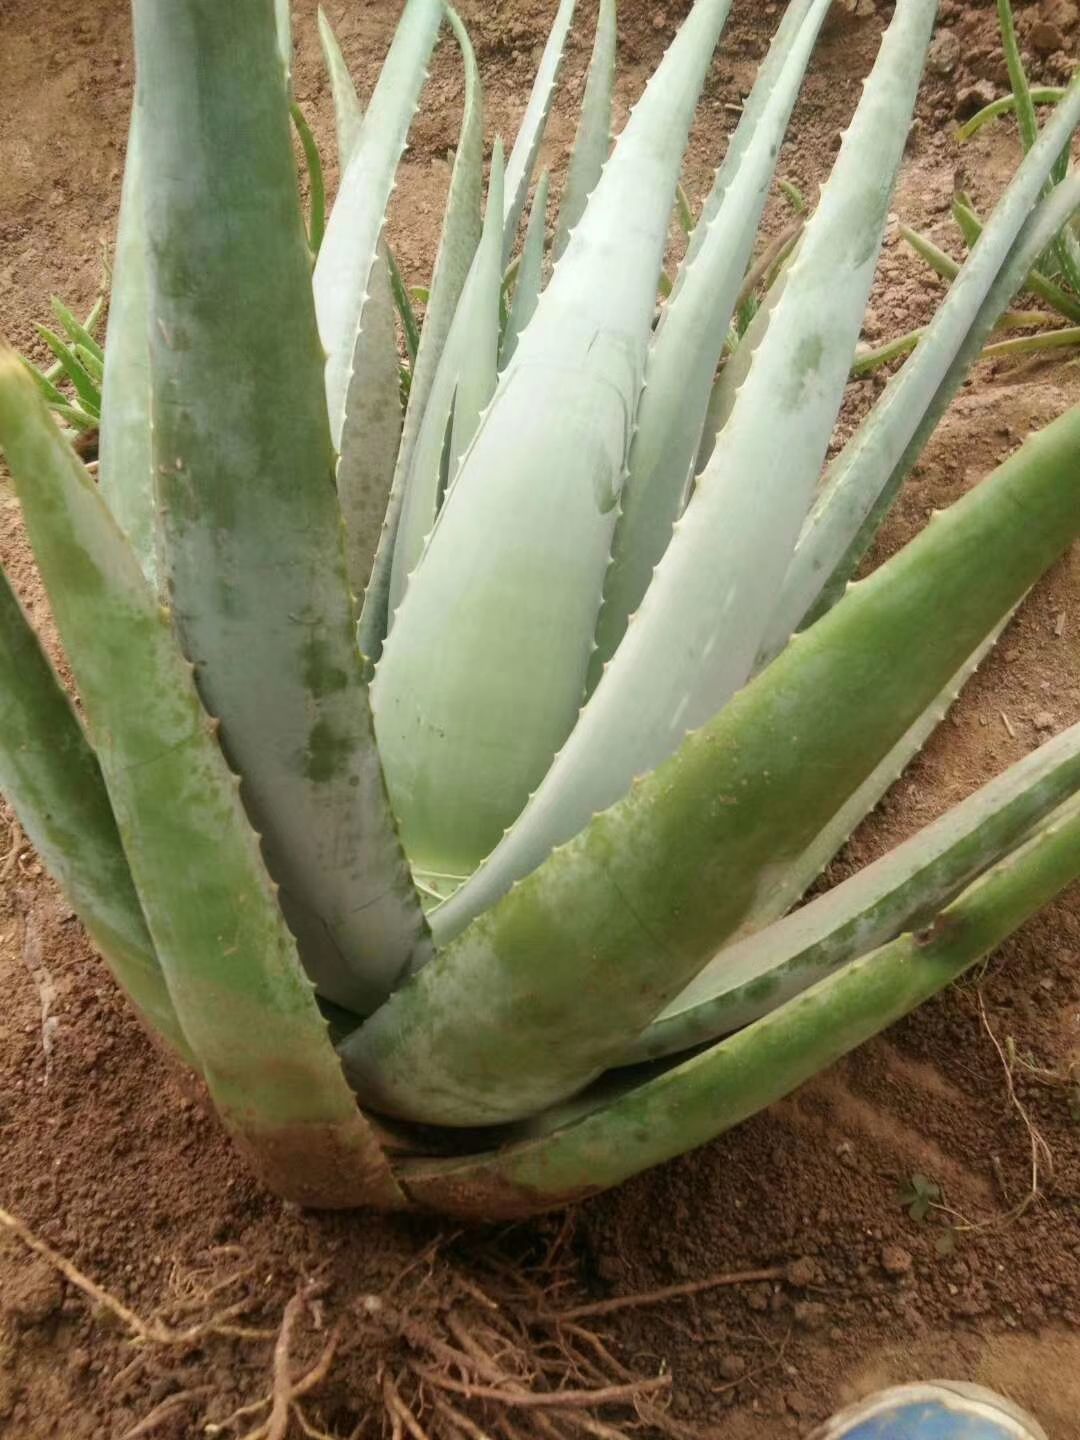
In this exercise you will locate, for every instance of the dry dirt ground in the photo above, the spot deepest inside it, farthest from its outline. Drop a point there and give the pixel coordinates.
(120, 1167)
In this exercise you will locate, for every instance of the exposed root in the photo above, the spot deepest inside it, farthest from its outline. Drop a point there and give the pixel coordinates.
(670, 1292)
(165, 1411)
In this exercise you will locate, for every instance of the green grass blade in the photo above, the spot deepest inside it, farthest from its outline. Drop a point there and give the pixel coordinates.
(900, 892)
(313, 161)
(593, 139)
(694, 1102)
(467, 730)
(348, 253)
(1025, 109)
(126, 467)
(252, 531)
(530, 273)
(460, 236)
(685, 353)
(348, 112)
(546, 989)
(78, 334)
(230, 963)
(52, 779)
(526, 147)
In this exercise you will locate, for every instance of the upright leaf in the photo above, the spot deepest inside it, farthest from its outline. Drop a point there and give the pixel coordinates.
(593, 139)
(244, 473)
(530, 275)
(348, 112)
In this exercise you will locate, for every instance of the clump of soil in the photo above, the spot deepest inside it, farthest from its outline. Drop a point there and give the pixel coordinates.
(890, 1206)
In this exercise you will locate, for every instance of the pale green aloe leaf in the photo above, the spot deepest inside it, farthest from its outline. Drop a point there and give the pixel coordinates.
(349, 248)
(283, 31)
(241, 998)
(467, 730)
(372, 433)
(902, 891)
(592, 142)
(252, 534)
(867, 474)
(530, 274)
(693, 640)
(462, 387)
(462, 225)
(126, 467)
(348, 112)
(78, 334)
(547, 988)
(692, 1102)
(51, 777)
(689, 342)
(85, 386)
(526, 147)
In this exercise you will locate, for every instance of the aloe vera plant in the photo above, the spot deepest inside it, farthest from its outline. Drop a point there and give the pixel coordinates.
(449, 756)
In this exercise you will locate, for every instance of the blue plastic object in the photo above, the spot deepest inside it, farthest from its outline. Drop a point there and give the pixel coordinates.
(937, 1410)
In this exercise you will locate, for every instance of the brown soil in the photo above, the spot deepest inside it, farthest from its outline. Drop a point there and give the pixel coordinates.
(120, 1167)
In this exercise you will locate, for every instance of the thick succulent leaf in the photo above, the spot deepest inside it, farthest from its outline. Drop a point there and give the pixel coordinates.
(697, 1100)
(283, 30)
(902, 891)
(467, 730)
(547, 988)
(866, 475)
(52, 779)
(242, 1000)
(522, 160)
(460, 236)
(593, 139)
(530, 274)
(348, 112)
(125, 464)
(369, 442)
(349, 248)
(684, 355)
(252, 534)
(693, 640)
(462, 387)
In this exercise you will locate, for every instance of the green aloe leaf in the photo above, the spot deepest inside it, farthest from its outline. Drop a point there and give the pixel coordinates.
(241, 998)
(244, 478)
(593, 139)
(78, 334)
(467, 730)
(545, 990)
(530, 273)
(85, 386)
(126, 467)
(348, 112)
(901, 891)
(53, 781)
(699, 1099)
(522, 159)
(693, 639)
(462, 224)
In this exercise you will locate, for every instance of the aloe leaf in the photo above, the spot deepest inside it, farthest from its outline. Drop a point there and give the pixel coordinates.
(317, 187)
(78, 334)
(242, 1000)
(687, 348)
(546, 989)
(410, 326)
(44, 384)
(1040, 95)
(522, 159)
(467, 730)
(125, 462)
(90, 363)
(861, 484)
(348, 253)
(348, 112)
(691, 1103)
(1025, 109)
(460, 236)
(85, 386)
(80, 419)
(283, 31)
(693, 640)
(273, 633)
(900, 892)
(530, 273)
(51, 777)
(462, 387)
(593, 139)
(369, 442)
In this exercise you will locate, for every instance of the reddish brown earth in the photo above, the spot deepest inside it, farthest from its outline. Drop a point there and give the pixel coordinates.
(113, 1162)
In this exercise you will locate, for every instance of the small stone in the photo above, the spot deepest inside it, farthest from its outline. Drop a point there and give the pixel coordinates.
(810, 1314)
(79, 1360)
(973, 97)
(1046, 39)
(659, 20)
(944, 53)
(895, 1260)
(801, 1272)
(797, 1402)
(36, 1293)
(758, 1299)
(1043, 720)
(1062, 13)
(732, 1367)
